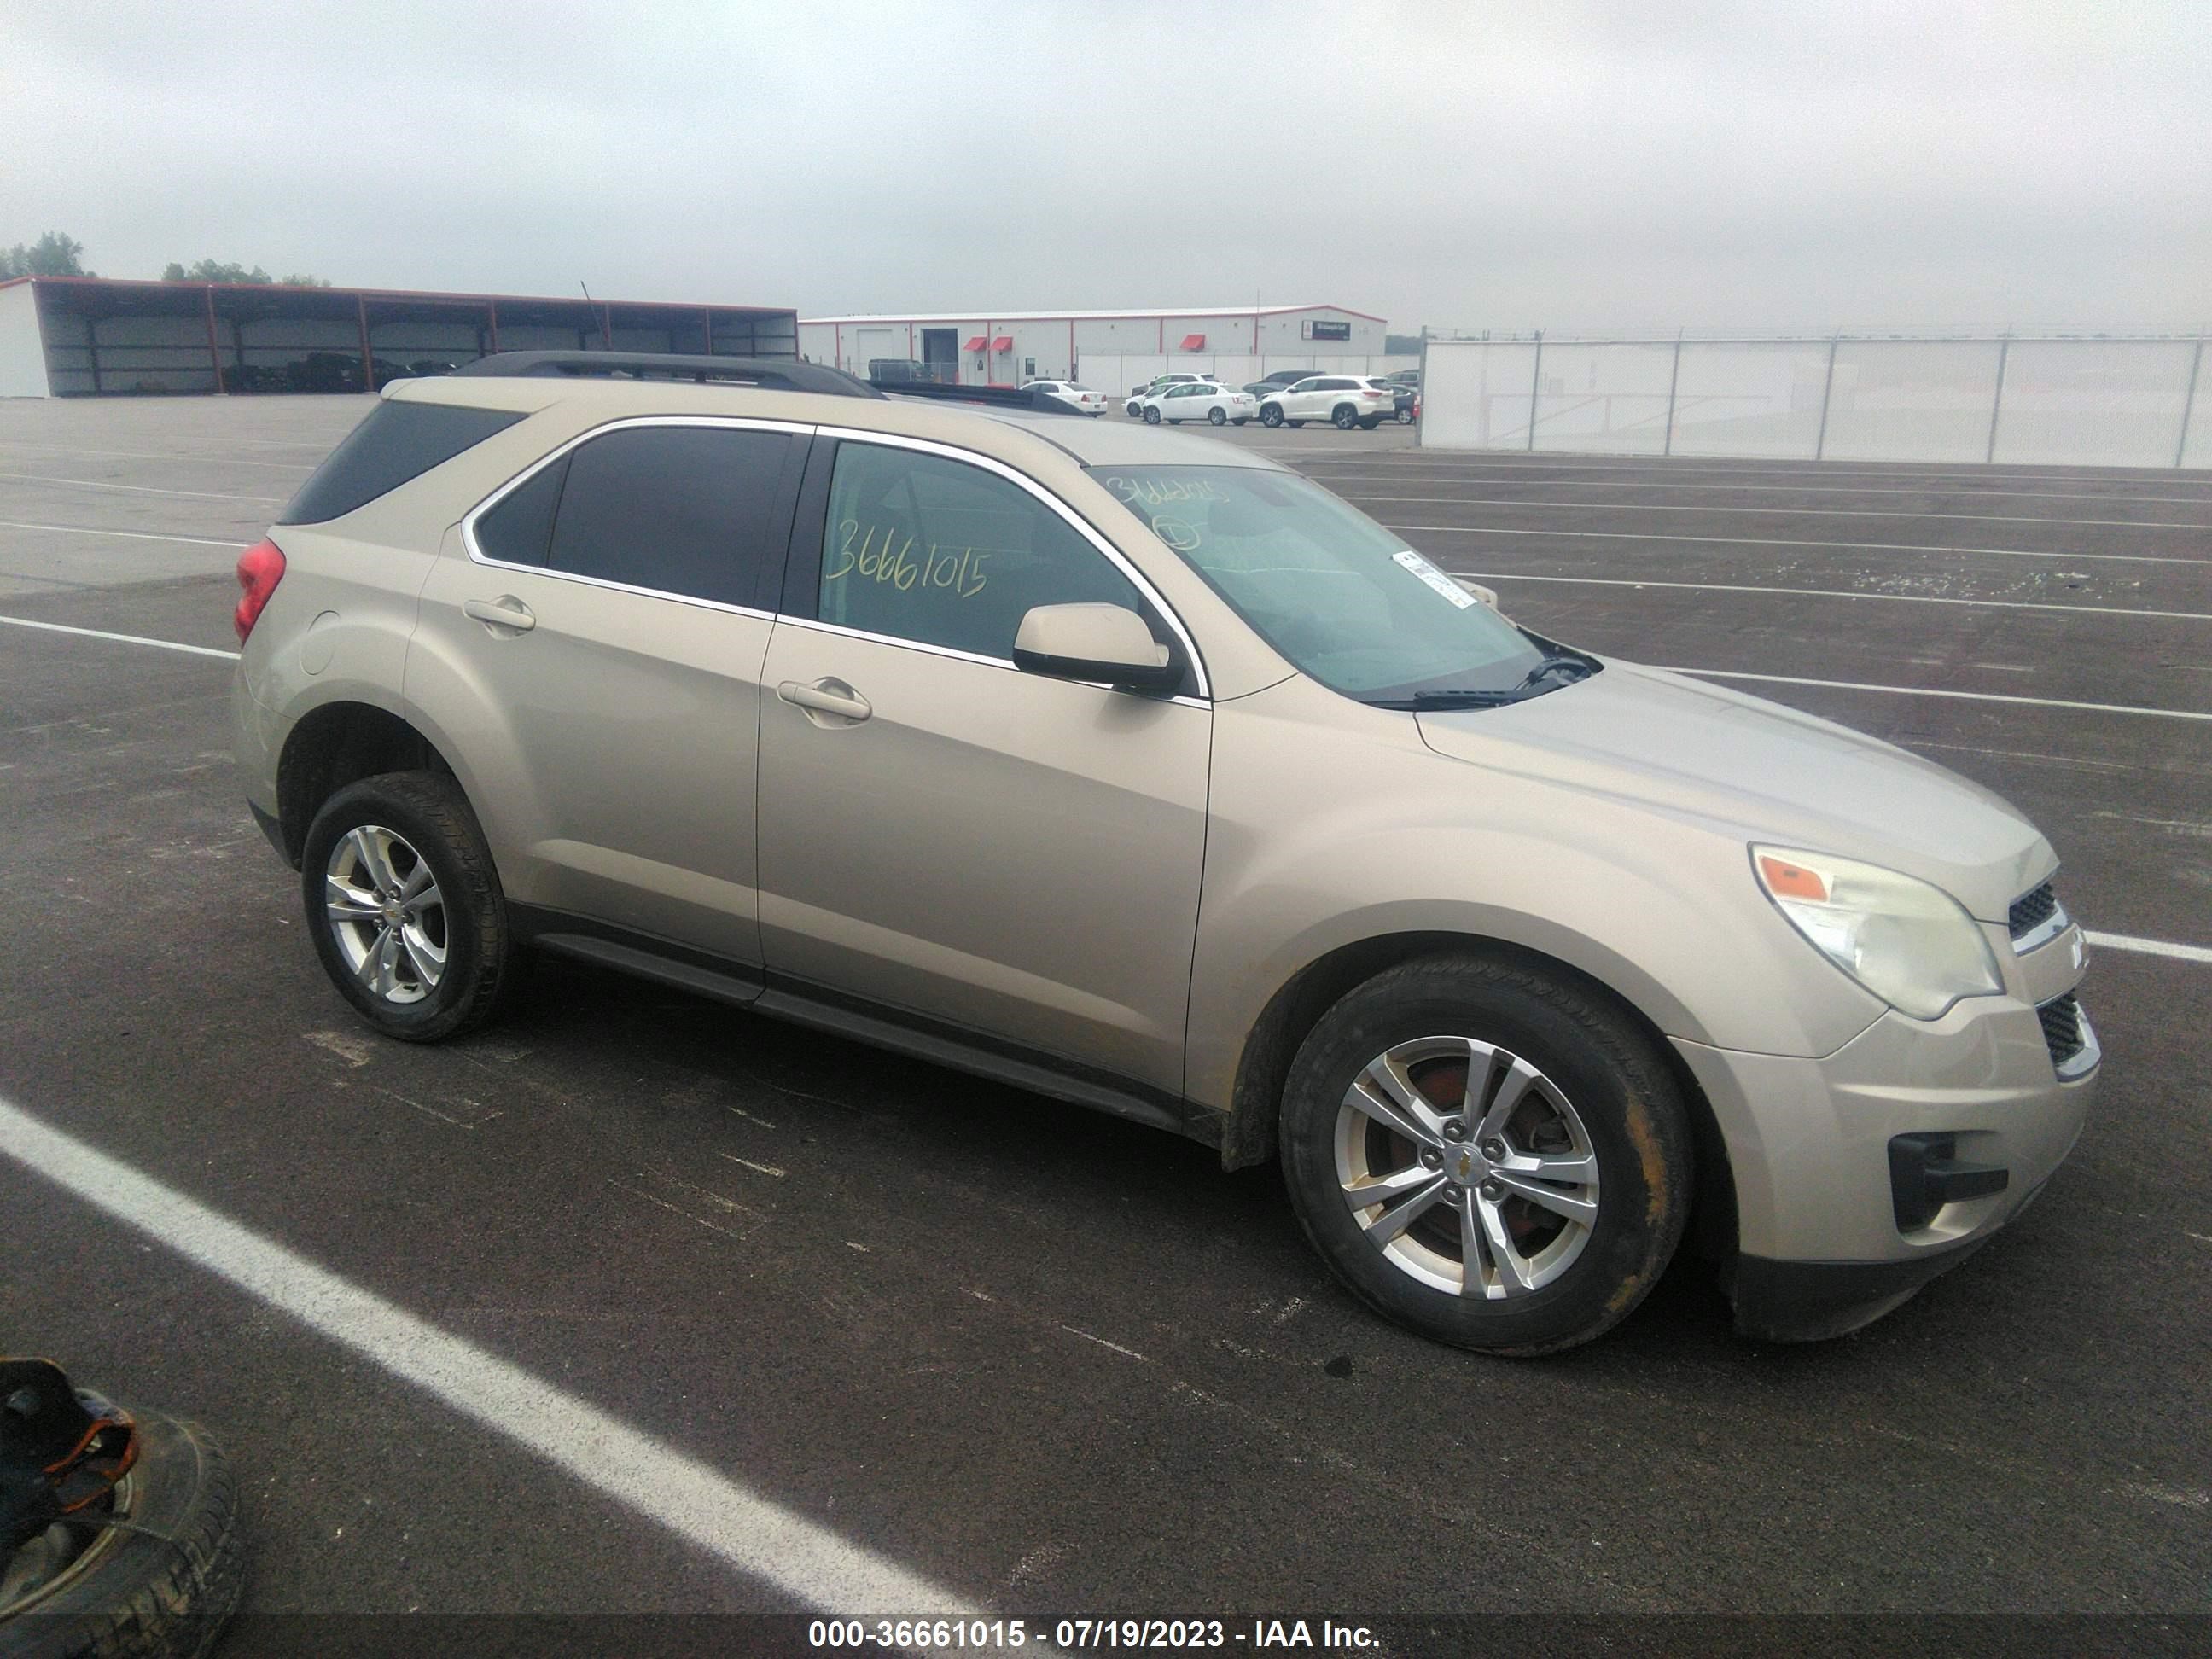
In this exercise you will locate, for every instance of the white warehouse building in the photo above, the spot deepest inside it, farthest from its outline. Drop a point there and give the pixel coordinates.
(1108, 349)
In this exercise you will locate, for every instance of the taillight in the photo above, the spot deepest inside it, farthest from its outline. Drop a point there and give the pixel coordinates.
(260, 568)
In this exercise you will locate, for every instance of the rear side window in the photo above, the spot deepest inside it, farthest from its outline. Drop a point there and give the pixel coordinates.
(396, 442)
(520, 529)
(695, 511)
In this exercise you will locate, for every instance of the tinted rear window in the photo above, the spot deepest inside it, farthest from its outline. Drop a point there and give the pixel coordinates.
(397, 442)
(688, 510)
(520, 529)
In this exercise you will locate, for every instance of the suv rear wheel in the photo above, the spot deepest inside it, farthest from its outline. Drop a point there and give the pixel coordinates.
(405, 907)
(1345, 417)
(1487, 1155)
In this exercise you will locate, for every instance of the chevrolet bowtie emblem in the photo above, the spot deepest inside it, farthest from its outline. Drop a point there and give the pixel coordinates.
(1466, 1163)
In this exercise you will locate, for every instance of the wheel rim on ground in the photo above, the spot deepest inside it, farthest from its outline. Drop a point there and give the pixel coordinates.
(1217, 417)
(1467, 1168)
(26, 1581)
(386, 914)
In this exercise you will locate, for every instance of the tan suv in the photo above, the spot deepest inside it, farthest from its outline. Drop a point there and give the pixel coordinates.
(1141, 772)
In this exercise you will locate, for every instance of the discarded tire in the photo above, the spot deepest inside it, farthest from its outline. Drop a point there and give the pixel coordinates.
(157, 1573)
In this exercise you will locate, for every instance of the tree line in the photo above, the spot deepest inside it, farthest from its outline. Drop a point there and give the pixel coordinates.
(58, 254)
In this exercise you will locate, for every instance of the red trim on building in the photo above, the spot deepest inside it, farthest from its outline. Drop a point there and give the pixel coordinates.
(1004, 342)
(974, 344)
(1194, 343)
(214, 352)
(339, 290)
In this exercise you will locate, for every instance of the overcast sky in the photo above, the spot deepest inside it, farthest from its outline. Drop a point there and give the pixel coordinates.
(1647, 164)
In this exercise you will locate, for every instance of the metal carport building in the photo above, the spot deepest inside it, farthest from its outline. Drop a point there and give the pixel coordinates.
(90, 336)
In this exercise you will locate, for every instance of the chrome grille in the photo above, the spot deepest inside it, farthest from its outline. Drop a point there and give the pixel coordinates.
(2063, 1029)
(2031, 910)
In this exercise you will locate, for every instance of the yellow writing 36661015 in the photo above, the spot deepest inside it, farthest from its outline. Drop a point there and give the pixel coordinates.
(881, 557)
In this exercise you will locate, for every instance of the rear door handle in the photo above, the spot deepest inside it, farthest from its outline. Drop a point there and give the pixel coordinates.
(827, 697)
(505, 611)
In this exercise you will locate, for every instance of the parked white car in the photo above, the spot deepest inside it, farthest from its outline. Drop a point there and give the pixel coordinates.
(1135, 405)
(1343, 401)
(1072, 392)
(1198, 400)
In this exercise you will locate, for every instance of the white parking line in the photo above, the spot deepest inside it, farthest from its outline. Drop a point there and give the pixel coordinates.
(1782, 541)
(1472, 462)
(1932, 691)
(663, 1485)
(1805, 512)
(1827, 593)
(142, 490)
(120, 639)
(152, 455)
(128, 535)
(1824, 490)
(2149, 947)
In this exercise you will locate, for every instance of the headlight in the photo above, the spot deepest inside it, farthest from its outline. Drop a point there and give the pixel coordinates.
(1912, 945)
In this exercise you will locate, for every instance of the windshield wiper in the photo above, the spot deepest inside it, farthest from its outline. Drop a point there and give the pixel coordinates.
(1552, 665)
(1526, 686)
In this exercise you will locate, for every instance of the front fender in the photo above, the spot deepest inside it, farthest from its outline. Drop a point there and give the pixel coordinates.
(1330, 833)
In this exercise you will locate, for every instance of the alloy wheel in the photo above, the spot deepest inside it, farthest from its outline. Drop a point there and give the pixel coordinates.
(1466, 1167)
(387, 914)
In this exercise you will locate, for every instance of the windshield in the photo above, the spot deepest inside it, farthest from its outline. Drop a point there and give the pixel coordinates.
(1347, 601)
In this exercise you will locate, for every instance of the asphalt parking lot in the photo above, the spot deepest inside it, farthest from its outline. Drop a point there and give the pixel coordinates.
(1045, 1360)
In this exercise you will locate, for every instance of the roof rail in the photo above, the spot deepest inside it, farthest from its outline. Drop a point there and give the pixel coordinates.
(776, 373)
(998, 396)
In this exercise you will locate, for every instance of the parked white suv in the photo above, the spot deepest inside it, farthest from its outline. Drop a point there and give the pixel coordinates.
(1343, 401)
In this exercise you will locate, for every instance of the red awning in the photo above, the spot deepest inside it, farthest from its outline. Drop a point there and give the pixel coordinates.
(1004, 342)
(1194, 343)
(976, 345)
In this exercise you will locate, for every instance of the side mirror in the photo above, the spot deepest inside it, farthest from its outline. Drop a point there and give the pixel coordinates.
(1108, 643)
(1487, 595)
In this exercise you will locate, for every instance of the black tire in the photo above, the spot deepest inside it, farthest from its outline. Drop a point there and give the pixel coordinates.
(1152, 417)
(1344, 417)
(161, 1590)
(1370, 423)
(430, 812)
(1271, 415)
(1405, 417)
(1219, 417)
(1622, 1089)
(1294, 424)
(1240, 420)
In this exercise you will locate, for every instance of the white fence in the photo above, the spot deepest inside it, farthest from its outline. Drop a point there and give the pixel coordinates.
(2089, 402)
(1106, 372)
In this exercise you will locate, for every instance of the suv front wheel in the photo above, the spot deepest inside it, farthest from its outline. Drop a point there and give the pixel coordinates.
(405, 906)
(1487, 1155)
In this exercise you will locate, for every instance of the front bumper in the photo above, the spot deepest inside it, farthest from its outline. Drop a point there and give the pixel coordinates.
(1825, 1242)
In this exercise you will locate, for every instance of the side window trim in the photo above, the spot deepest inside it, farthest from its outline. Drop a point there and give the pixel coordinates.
(781, 513)
(802, 585)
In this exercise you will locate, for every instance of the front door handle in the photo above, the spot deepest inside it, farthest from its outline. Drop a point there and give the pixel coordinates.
(833, 697)
(505, 611)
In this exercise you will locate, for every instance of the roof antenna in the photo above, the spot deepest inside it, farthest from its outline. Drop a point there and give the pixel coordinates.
(605, 342)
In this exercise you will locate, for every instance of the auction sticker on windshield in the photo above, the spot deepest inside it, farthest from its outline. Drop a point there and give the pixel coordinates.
(1435, 578)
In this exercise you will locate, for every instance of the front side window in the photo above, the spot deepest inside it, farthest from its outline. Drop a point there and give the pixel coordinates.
(918, 547)
(677, 509)
(1346, 601)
